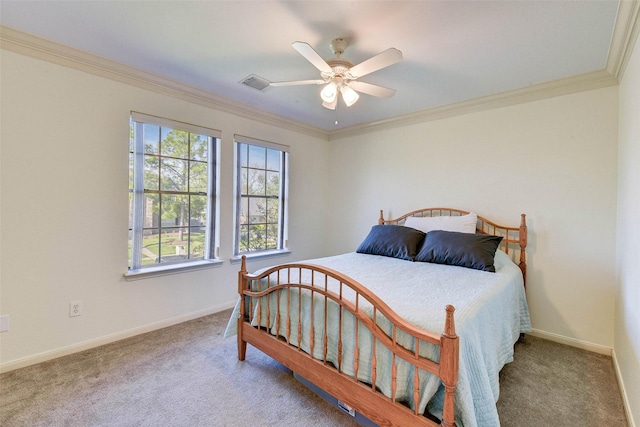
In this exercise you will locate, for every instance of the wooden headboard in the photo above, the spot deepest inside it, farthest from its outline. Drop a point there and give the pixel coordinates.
(514, 239)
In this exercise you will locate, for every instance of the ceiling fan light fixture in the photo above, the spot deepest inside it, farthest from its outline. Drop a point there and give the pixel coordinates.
(329, 92)
(331, 105)
(349, 96)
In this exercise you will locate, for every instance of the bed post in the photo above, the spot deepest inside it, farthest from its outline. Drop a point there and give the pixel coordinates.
(449, 368)
(381, 219)
(523, 245)
(242, 285)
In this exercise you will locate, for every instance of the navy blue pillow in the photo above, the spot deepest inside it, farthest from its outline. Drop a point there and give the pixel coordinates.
(475, 251)
(395, 241)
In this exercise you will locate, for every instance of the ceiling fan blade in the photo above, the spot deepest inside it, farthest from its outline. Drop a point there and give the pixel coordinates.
(312, 56)
(297, 83)
(369, 89)
(381, 60)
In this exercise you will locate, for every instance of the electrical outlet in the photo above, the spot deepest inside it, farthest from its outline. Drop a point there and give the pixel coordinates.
(75, 308)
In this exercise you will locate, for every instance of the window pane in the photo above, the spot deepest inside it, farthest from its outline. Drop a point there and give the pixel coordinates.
(198, 177)
(244, 210)
(199, 146)
(174, 244)
(257, 210)
(273, 160)
(151, 211)
(198, 212)
(244, 238)
(272, 236)
(273, 184)
(257, 157)
(244, 182)
(273, 211)
(151, 178)
(175, 210)
(243, 149)
(173, 174)
(181, 247)
(151, 137)
(175, 143)
(256, 182)
(196, 243)
(257, 237)
(151, 248)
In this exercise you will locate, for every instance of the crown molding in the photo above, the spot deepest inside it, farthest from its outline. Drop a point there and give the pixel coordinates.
(36, 47)
(624, 36)
(566, 86)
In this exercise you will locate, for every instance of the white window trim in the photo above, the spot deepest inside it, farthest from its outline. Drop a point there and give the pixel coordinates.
(213, 208)
(241, 139)
(259, 142)
(164, 270)
(257, 256)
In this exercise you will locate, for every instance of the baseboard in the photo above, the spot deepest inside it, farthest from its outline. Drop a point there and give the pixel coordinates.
(623, 391)
(107, 339)
(585, 345)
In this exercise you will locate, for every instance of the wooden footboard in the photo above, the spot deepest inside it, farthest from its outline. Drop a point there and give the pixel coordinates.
(280, 333)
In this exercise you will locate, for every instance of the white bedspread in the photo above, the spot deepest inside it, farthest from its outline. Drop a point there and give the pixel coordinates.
(491, 312)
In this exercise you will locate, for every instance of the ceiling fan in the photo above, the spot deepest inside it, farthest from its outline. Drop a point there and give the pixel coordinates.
(340, 75)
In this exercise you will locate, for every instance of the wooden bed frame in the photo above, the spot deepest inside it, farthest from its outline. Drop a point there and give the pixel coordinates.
(364, 398)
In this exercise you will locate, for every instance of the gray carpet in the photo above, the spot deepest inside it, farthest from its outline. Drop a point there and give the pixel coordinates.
(188, 375)
(553, 384)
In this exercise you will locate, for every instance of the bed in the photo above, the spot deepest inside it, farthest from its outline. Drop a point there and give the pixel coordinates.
(401, 337)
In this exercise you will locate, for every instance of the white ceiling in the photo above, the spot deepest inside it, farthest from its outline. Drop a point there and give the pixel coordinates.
(454, 51)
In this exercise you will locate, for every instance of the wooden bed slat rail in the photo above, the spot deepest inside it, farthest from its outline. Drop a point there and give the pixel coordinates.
(363, 319)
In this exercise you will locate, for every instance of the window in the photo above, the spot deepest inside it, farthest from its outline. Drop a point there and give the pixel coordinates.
(172, 181)
(261, 203)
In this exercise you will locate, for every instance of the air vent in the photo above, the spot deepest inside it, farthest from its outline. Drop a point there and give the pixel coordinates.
(255, 82)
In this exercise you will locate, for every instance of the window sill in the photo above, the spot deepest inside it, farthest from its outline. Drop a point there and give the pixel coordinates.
(260, 255)
(164, 270)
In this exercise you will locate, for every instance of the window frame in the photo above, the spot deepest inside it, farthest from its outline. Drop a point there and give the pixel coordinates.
(137, 189)
(283, 198)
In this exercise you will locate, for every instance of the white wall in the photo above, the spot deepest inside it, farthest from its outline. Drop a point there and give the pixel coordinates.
(64, 167)
(63, 218)
(627, 319)
(554, 160)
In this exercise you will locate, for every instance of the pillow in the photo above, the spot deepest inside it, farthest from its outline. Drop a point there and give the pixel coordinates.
(394, 241)
(475, 251)
(461, 223)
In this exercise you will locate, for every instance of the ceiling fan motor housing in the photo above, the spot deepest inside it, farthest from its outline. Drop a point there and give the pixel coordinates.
(339, 63)
(340, 68)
